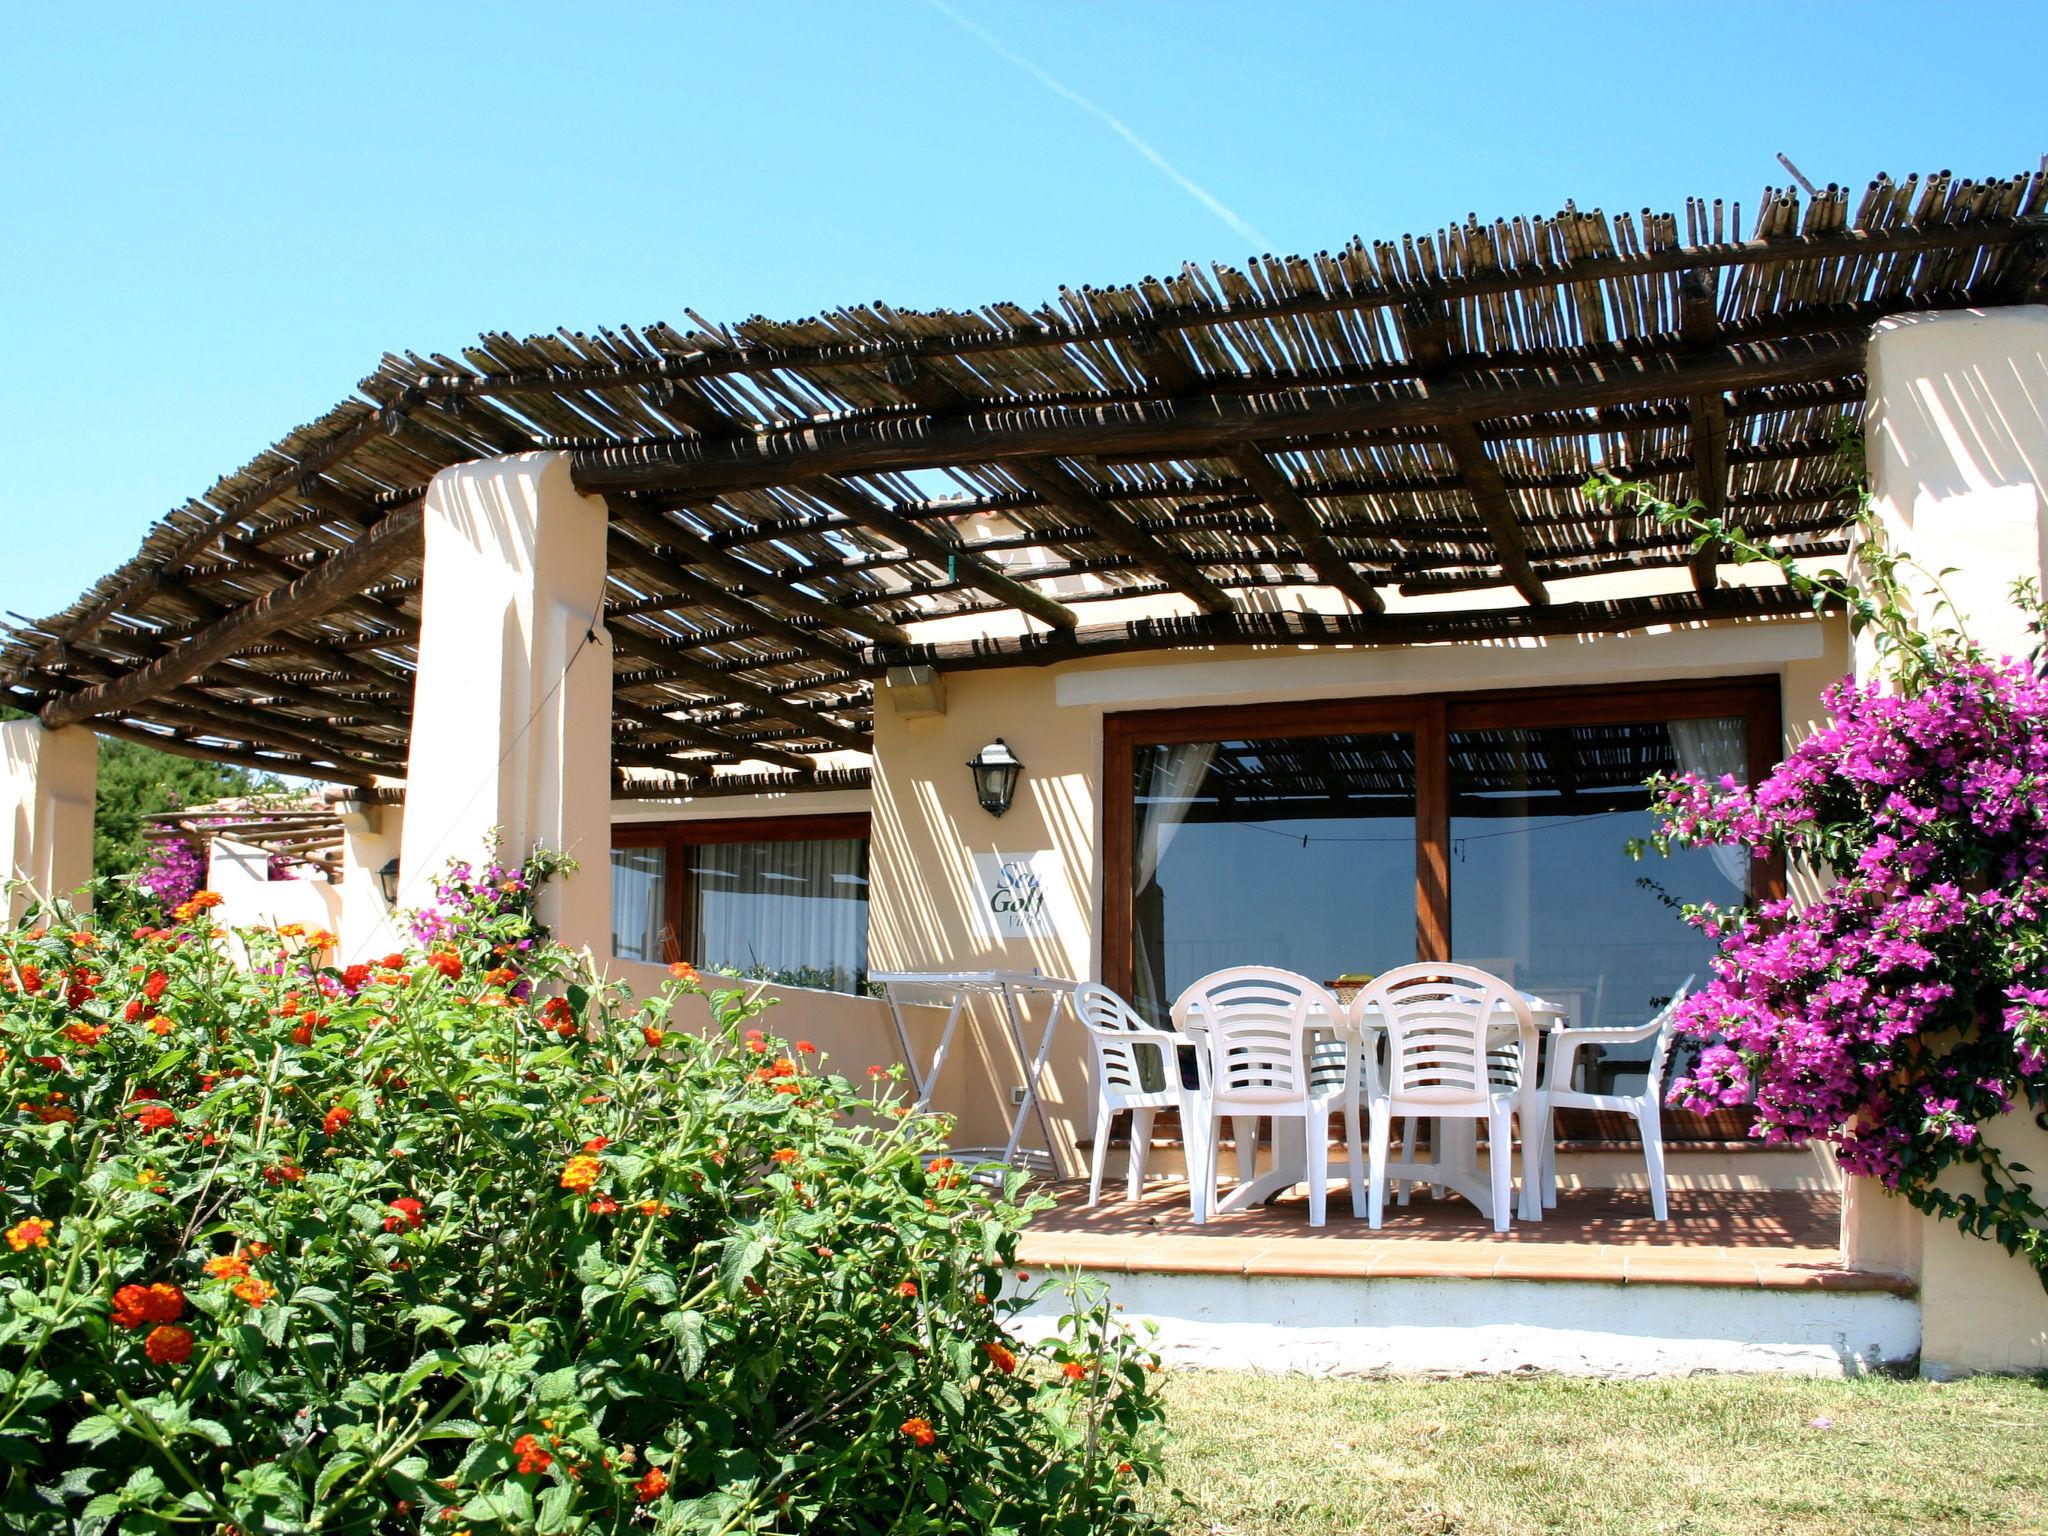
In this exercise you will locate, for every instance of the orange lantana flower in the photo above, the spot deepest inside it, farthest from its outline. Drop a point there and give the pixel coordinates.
(581, 1172)
(31, 1232)
(920, 1431)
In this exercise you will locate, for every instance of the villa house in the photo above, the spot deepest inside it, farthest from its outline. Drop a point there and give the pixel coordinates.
(1281, 585)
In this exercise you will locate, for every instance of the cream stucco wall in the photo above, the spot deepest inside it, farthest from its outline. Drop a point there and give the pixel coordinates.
(1957, 444)
(512, 702)
(927, 893)
(47, 782)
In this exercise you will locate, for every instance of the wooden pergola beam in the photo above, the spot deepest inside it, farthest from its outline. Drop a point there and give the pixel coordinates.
(628, 551)
(1304, 527)
(178, 746)
(655, 722)
(762, 586)
(687, 669)
(1426, 327)
(1709, 430)
(1193, 426)
(1613, 616)
(1058, 487)
(954, 558)
(398, 537)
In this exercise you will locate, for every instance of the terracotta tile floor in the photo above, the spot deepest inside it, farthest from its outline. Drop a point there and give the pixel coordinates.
(1777, 1240)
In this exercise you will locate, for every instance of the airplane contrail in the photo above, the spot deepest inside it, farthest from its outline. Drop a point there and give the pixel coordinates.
(1201, 194)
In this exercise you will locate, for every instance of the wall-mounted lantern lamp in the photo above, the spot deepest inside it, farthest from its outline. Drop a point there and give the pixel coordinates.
(387, 882)
(996, 772)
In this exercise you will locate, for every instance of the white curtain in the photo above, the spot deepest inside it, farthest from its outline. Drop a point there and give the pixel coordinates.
(639, 878)
(1172, 777)
(1712, 749)
(794, 912)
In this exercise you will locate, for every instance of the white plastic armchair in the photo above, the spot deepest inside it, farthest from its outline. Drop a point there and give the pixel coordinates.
(1271, 1045)
(1645, 1107)
(1440, 1064)
(1129, 1053)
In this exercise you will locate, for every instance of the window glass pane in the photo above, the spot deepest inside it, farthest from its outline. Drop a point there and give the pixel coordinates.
(1543, 891)
(1292, 851)
(795, 912)
(639, 898)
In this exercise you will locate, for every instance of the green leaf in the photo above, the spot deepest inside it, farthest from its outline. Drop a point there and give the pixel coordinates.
(95, 1430)
(556, 1386)
(554, 1506)
(427, 1317)
(336, 1469)
(743, 1254)
(688, 1328)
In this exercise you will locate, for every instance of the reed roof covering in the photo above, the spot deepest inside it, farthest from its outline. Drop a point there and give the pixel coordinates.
(1405, 424)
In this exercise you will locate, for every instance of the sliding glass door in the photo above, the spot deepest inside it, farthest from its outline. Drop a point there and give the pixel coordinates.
(1296, 851)
(1491, 828)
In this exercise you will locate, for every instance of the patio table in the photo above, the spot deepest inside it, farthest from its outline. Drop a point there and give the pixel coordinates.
(1005, 987)
(1454, 1141)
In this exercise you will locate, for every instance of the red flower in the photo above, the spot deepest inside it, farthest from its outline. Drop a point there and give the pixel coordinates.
(30, 1232)
(559, 1016)
(1074, 1370)
(135, 1305)
(1001, 1356)
(409, 1213)
(447, 962)
(920, 1431)
(153, 989)
(785, 1155)
(906, 1288)
(168, 1345)
(652, 1486)
(393, 962)
(682, 970)
(303, 1034)
(603, 1205)
(356, 977)
(532, 1456)
(652, 1036)
(132, 1009)
(336, 1118)
(805, 1048)
(156, 1117)
(597, 1144)
(281, 1173)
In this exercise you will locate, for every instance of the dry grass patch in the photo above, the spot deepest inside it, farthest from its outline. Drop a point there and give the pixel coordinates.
(1291, 1456)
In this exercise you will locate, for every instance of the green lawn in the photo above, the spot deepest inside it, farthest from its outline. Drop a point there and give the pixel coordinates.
(1290, 1456)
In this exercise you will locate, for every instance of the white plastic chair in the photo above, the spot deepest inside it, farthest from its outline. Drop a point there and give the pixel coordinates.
(1127, 1050)
(1646, 1107)
(1270, 1046)
(1437, 1017)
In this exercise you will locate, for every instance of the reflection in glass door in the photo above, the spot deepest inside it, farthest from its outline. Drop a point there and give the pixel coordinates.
(1290, 851)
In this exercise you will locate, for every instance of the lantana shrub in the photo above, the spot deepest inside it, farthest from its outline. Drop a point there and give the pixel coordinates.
(1904, 1007)
(454, 1240)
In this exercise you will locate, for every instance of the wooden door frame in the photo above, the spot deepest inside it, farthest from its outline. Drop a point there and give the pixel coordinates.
(1757, 700)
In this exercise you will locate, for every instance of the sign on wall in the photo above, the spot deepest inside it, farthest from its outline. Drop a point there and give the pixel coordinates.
(1021, 895)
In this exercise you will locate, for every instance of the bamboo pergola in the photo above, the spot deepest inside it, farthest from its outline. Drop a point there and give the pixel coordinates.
(300, 829)
(1407, 424)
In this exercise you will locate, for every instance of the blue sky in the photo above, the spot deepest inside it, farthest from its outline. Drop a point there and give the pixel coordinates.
(214, 218)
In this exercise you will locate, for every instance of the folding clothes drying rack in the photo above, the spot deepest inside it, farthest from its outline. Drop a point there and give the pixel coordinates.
(1005, 986)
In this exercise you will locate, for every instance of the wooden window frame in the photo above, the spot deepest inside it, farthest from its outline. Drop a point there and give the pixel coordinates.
(1431, 719)
(675, 837)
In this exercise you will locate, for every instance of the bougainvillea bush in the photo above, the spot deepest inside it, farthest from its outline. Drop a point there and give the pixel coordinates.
(1905, 1007)
(450, 1241)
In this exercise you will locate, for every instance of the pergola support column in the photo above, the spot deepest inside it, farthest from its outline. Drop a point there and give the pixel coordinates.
(47, 783)
(512, 703)
(1956, 441)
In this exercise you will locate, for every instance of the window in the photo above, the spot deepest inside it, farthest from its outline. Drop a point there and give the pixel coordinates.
(1492, 828)
(784, 899)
